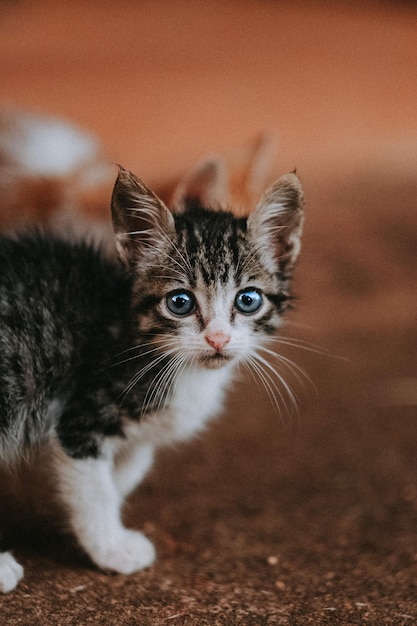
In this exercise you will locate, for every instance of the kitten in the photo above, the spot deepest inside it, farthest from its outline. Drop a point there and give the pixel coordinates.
(102, 362)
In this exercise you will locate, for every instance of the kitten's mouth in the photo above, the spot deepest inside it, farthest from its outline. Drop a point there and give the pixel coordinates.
(215, 360)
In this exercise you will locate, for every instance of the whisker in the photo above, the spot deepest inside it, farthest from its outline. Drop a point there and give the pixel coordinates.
(270, 372)
(270, 368)
(136, 356)
(161, 337)
(144, 370)
(182, 361)
(164, 342)
(298, 372)
(156, 229)
(245, 262)
(294, 342)
(253, 369)
(161, 384)
(152, 389)
(139, 375)
(269, 385)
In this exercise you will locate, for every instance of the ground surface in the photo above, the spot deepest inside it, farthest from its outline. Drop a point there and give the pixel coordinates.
(258, 523)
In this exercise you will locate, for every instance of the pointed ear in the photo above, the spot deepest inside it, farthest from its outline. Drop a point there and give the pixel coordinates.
(205, 182)
(251, 167)
(140, 219)
(276, 223)
(263, 156)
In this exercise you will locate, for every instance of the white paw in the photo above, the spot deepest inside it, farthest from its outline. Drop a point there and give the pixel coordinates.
(10, 572)
(130, 552)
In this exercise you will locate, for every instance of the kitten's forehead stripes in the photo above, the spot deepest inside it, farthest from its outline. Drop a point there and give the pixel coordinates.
(213, 244)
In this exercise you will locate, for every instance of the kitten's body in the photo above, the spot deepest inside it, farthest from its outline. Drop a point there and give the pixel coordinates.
(101, 363)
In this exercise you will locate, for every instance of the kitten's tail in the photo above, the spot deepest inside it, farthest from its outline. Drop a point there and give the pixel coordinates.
(54, 175)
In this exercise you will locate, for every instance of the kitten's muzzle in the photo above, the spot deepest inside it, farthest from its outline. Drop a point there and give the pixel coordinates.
(217, 356)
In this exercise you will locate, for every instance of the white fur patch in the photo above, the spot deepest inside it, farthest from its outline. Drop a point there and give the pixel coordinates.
(44, 146)
(197, 397)
(131, 464)
(88, 490)
(10, 572)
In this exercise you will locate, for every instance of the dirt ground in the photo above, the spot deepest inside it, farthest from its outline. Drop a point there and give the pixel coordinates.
(264, 520)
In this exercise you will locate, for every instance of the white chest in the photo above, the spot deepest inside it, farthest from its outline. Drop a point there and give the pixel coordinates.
(198, 396)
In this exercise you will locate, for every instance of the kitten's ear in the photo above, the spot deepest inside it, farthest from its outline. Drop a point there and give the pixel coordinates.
(205, 182)
(276, 223)
(140, 219)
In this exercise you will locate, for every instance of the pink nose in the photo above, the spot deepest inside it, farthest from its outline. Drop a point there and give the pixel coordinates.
(217, 340)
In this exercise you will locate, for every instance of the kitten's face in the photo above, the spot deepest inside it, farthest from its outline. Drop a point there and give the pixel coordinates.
(209, 287)
(212, 298)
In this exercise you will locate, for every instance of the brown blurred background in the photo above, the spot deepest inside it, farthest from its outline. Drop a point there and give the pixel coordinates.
(334, 499)
(162, 83)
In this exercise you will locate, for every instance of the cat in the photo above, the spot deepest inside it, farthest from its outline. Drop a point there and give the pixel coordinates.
(104, 361)
(53, 174)
(58, 175)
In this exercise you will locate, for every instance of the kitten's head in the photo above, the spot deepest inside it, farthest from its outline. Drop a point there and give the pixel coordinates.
(209, 286)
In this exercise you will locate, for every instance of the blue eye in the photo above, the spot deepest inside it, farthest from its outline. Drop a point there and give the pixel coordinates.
(248, 301)
(180, 303)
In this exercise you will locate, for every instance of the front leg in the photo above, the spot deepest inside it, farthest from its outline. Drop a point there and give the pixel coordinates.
(10, 572)
(94, 505)
(130, 466)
